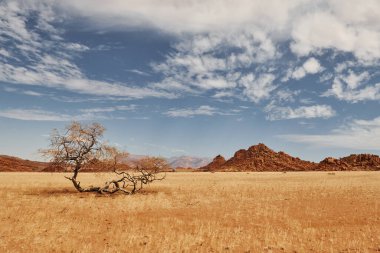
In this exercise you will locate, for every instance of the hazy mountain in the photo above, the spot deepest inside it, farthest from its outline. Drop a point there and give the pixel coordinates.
(188, 161)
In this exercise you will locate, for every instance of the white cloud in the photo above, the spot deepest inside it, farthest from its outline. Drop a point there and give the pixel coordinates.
(32, 93)
(353, 80)
(44, 115)
(77, 47)
(332, 29)
(217, 44)
(311, 66)
(298, 73)
(47, 61)
(204, 110)
(223, 94)
(257, 88)
(138, 72)
(185, 16)
(34, 115)
(285, 95)
(190, 112)
(358, 134)
(25, 92)
(306, 112)
(319, 30)
(306, 101)
(110, 109)
(4, 52)
(205, 61)
(312, 26)
(351, 87)
(70, 78)
(173, 84)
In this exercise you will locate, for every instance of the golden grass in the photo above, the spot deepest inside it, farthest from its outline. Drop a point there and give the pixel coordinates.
(194, 212)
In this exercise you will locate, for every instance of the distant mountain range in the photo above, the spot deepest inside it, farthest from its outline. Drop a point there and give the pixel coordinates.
(256, 158)
(10, 163)
(176, 161)
(188, 161)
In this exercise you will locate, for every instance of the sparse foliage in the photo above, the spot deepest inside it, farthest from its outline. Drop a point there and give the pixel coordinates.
(81, 147)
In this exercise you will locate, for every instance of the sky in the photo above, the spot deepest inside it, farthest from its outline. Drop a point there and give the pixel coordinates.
(193, 77)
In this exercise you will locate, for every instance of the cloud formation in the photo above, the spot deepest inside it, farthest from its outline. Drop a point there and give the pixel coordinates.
(311, 66)
(47, 59)
(34, 115)
(353, 87)
(304, 112)
(248, 50)
(191, 112)
(189, 16)
(203, 110)
(358, 134)
(312, 26)
(88, 114)
(206, 62)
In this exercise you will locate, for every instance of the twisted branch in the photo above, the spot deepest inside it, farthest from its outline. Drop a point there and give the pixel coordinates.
(80, 147)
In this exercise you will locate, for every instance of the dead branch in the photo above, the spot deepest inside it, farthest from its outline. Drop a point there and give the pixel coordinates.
(80, 147)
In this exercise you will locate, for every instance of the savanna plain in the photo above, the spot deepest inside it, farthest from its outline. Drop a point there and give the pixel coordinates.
(194, 212)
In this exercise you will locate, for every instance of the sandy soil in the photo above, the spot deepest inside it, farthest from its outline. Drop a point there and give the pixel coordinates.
(194, 212)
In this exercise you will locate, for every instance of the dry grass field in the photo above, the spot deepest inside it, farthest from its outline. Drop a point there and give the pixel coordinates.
(194, 212)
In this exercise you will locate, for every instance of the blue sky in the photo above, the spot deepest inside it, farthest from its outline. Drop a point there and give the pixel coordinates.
(196, 78)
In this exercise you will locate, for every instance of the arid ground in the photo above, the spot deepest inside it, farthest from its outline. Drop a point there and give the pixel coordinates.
(194, 212)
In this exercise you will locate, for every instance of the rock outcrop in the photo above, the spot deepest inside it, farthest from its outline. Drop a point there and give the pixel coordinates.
(259, 158)
(256, 158)
(351, 162)
(215, 165)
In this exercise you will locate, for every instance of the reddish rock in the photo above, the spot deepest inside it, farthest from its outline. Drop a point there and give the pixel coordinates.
(256, 158)
(259, 158)
(216, 163)
(351, 162)
(10, 163)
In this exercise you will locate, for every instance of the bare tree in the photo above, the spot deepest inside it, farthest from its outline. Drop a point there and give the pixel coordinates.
(81, 147)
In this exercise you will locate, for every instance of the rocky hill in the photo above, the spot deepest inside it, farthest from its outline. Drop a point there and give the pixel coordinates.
(215, 165)
(351, 162)
(259, 158)
(15, 164)
(11, 163)
(256, 158)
